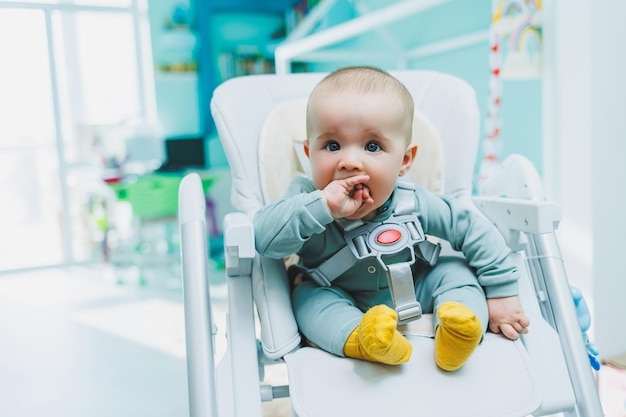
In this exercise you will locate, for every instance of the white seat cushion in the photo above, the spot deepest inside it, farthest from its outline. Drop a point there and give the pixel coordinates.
(497, 381)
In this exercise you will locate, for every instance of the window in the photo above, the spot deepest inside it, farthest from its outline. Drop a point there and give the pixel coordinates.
(75, 74)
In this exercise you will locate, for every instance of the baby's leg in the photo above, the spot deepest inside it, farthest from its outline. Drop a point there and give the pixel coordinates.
(325, 315)
(460, 308)
(376, 338)
(329, 318)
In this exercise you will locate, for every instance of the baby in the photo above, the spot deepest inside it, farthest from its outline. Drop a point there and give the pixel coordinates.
(359, 127)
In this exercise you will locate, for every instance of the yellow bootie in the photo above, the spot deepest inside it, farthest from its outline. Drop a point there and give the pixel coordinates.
(376, 339)
(457, 336)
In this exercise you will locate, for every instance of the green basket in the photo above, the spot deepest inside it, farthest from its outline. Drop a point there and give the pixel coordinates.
(155, 195)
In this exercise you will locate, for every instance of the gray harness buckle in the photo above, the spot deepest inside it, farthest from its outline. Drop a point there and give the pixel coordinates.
(386, 238)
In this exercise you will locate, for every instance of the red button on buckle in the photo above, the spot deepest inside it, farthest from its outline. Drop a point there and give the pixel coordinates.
(388, 237)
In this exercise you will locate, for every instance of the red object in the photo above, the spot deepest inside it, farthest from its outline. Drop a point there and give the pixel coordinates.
(388, 237)
(113, 180)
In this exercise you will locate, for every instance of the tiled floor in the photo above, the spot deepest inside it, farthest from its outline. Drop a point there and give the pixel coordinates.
(75, 343)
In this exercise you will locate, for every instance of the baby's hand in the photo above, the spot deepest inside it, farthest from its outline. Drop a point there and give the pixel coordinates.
(507, 316)
(344, 197)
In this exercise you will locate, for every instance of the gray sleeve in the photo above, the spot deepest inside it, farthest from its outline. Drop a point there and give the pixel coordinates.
(283, 227)
(470, 233)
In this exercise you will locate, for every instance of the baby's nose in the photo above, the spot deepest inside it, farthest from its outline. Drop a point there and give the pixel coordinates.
(351, 160)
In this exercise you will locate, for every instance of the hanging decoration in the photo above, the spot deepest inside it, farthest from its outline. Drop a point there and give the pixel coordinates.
(515, 54)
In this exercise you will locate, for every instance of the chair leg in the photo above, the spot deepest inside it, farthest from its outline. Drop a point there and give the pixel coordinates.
(242, 346)
(198, 322)
(544, 247)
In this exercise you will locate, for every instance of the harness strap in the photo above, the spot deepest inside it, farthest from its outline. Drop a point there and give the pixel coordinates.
(333, 267)
(377, 240)
(400, 278)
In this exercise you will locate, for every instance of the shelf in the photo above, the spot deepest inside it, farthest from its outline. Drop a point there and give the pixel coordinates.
(234, 64)
(175, 76)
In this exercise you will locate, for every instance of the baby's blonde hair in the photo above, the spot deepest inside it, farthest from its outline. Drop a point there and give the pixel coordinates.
(365, 79)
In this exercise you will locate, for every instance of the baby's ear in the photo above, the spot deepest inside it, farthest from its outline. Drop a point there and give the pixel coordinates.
(409, 157)
(306, 147)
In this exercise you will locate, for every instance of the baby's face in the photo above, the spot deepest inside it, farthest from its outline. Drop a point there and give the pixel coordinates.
(354, 133)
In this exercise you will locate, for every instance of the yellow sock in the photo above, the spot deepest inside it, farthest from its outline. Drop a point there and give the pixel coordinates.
(376, 339)
(457, 336)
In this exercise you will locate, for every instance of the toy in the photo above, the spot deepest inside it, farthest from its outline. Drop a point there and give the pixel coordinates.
(584, 320)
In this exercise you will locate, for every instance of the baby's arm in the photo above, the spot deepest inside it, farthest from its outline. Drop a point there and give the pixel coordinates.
(486, 251)
(507, 316)
(283, 227)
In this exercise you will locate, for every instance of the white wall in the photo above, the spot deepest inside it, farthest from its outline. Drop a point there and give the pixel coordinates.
(585, 145)
(567, 147)
(608, 140)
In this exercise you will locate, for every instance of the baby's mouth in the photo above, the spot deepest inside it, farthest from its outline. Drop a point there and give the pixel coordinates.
(366, 188)
(362, 187)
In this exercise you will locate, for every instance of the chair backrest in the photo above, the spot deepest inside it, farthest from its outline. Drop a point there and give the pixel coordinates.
(249, 110)
(447, 103)
(281, 150)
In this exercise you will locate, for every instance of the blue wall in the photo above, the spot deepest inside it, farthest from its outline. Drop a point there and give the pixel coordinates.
(521, 104)
(176, 91)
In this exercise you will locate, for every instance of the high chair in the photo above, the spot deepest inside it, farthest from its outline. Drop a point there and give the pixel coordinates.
(261, 123)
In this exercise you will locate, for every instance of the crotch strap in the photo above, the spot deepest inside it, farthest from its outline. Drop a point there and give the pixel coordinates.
(402, 232)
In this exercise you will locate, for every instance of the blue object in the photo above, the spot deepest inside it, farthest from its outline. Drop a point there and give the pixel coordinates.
(584, 320)
(180, 15)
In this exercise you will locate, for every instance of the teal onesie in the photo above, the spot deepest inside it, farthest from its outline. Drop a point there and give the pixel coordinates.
(299, 223)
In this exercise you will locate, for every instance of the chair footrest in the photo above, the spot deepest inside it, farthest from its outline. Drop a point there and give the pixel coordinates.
(322, 384)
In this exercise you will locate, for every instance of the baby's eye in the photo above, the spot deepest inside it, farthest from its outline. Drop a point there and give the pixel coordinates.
(332, 146)
(373, 147)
